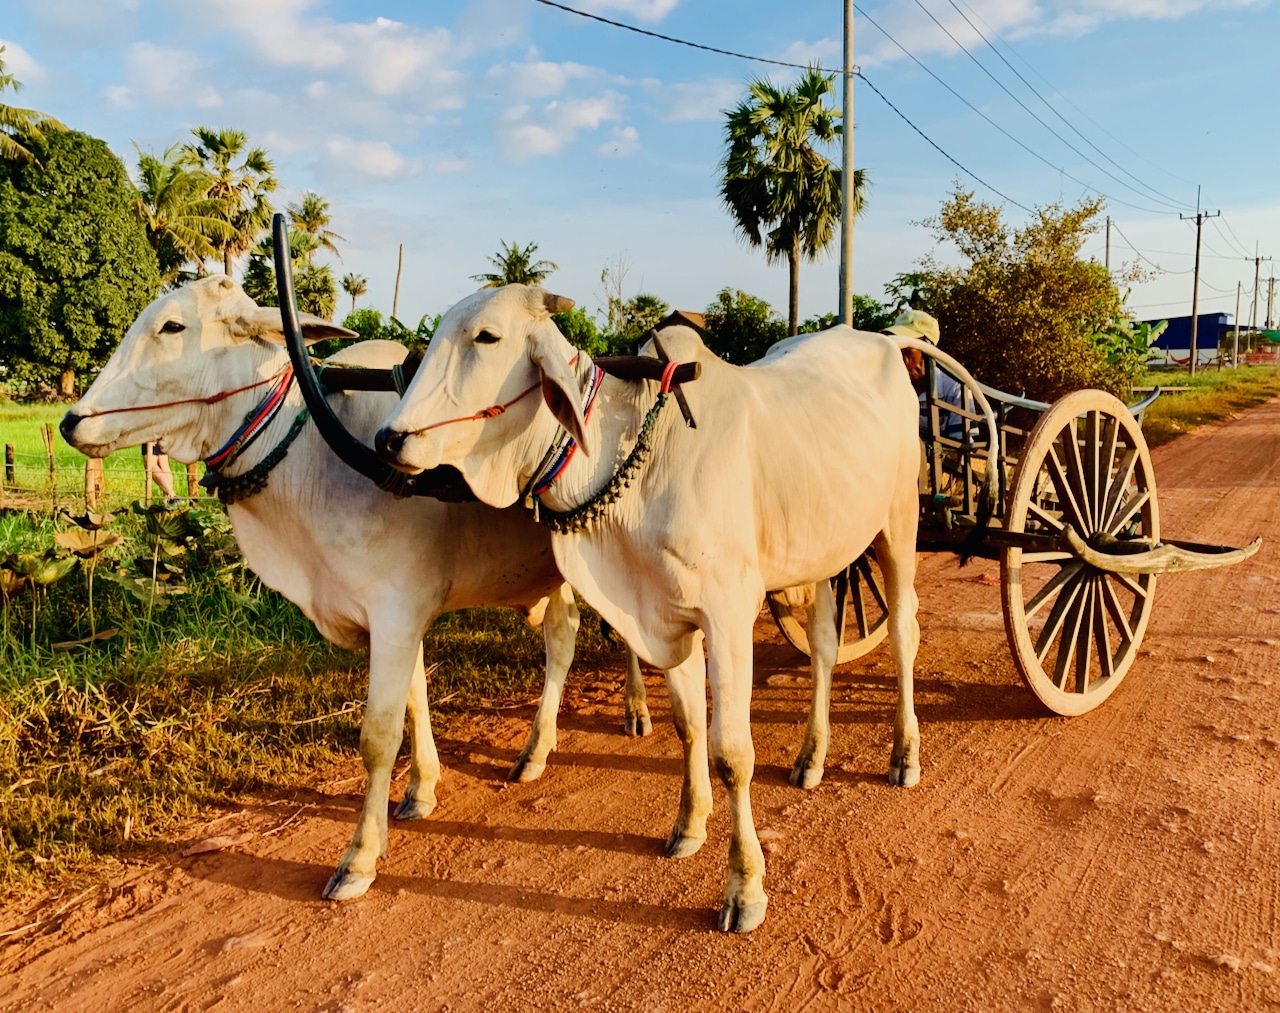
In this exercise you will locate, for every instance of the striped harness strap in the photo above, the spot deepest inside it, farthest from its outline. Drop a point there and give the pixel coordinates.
(253, 425)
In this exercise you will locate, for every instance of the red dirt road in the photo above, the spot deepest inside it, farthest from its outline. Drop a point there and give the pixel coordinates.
(1124, 860)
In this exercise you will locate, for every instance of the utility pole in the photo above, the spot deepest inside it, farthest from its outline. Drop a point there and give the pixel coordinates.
(395, 299)
(846, 176)
(1108, 260)
(1271, 298)
(1200, 216)
(1235, 331)
(1257, 267)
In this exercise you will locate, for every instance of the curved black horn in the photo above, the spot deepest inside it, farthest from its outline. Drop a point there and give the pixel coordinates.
(350, 451)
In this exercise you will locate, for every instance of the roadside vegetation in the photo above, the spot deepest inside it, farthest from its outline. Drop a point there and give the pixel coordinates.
(1215, 394)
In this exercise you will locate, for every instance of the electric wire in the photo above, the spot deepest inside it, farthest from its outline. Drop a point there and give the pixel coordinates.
(1143, 256)
(1030, 112)
(1035, 91)
(1239, 245)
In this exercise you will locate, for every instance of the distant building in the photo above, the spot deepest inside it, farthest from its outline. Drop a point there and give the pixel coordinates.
(1174, 345)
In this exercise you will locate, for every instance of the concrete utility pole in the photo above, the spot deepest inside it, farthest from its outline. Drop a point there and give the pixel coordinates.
(395, 299)
(846, 176)
(1235, 331)
(1271, 299)
(1257, 267)
(1200, 216)
(1108, 260)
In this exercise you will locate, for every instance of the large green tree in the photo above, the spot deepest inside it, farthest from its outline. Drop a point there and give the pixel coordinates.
(782, 191)
(1023, 311)
(20, 127)
(183, 222)
(516, 266)
(243, 177)
(75, 265)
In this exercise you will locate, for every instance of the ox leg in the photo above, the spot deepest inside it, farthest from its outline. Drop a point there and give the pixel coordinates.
(687, 687)
(559, 631)
(732, 752)
(898, 558)
(391, 673)
(635, 715)
(823, 647)
(424, 762)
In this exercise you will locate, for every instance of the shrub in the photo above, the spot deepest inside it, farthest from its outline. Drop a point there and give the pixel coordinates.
(741, 327)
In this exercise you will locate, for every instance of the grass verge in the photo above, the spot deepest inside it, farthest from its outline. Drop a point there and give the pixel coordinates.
(1214, 394)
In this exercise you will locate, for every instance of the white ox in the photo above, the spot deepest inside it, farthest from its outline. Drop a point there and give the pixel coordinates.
(798, 463)
(366, 568)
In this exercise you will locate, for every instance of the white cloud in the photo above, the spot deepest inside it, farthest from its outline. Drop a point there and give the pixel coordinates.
(694, 100)
(21, 64)
(643, 10)
(521, 137)
(449, 166)
(625, 141)
(536, 78)
(375, 159)
(161, 76)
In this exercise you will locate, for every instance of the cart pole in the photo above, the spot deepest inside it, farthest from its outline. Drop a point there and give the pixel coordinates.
(846, 175)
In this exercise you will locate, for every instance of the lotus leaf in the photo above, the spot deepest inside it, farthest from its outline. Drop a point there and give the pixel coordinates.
(87, 543)
(53, 570)
(89, 520)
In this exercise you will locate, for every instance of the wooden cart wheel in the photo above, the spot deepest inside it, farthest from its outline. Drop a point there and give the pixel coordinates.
(1074, 630)
(863, 619)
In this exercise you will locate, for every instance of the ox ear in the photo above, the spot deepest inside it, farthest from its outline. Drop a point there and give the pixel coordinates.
(555, 303)
(560, 386)
(264, 322)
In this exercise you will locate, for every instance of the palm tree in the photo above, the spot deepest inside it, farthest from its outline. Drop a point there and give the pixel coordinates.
(355, 285)
(25, 123)
(243, 186)
(783, 193)
(182, 221)
(311, 215)
(516, 267)
(314, 286)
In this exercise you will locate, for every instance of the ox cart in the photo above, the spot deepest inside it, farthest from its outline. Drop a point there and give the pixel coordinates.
(1077, 534)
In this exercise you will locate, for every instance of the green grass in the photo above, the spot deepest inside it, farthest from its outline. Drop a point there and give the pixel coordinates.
(1215, 394)
(211, 696)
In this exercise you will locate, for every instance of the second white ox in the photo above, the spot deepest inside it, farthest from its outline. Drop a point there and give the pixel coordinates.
(798, 463)
(366, 568)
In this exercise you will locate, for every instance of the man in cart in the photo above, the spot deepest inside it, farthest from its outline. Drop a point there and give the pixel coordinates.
(919, 324)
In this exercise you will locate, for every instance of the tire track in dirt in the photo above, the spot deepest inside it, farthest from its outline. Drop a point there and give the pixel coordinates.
(1126, 859)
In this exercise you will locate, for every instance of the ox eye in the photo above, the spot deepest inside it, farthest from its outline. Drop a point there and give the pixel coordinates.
(173, 327)
(487, 338)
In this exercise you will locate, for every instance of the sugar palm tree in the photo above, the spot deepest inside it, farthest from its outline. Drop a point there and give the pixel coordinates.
(15, 123)
(783, 193)
(516, 267)
(311, 215)
(182, 221)
(242, 178)
(355, 285)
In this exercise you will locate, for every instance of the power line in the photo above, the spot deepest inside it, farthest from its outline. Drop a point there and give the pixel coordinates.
(1001, 85)
(1244, 251)
(1143, 256)
(990, 45)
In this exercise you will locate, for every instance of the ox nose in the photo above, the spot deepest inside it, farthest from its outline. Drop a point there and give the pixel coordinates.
(389, 443)
(68, 425)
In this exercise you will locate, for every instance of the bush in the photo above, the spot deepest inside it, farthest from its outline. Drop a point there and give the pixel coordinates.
(741, 327)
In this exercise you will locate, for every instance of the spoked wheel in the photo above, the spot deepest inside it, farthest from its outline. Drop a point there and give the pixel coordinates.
(863, 620)
(1074, 630)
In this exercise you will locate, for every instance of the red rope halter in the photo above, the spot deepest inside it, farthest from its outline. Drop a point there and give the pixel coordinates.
(211, 399)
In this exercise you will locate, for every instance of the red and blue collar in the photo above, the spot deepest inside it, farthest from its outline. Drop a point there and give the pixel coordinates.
(254, 424)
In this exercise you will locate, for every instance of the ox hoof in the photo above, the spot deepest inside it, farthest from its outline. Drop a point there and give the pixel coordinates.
(682, 846)
(904, 777)
(413, 808)
(803, 776)
(347, 885)
(736, 916)
(637, 725)
(525, 770)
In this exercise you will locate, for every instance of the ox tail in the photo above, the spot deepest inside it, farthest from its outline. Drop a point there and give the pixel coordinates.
(989, 496)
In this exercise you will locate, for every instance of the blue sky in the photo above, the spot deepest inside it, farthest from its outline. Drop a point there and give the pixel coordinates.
(453, 124)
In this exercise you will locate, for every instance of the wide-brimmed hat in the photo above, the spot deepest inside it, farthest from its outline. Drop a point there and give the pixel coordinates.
(915, 324)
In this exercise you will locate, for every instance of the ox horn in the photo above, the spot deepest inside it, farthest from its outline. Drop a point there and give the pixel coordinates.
(350, 450)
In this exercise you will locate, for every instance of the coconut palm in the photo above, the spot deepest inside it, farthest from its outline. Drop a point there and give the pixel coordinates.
(355, 285)
(516, 267)
(182, 221)
(311, 215)
(15, 123)
(242, 178)
(783, 193)
(314, 287)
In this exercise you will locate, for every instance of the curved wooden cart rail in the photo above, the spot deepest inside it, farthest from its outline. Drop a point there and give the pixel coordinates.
(860, 595)
(1075, 628)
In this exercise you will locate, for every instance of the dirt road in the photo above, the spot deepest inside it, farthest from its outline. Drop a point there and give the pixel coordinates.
(1124, 860)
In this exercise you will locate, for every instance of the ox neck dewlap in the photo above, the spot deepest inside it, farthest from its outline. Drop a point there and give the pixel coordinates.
(585, 514)
(233, 488)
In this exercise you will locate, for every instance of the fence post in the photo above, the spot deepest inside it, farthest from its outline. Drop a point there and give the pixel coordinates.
(92, 482)
(9, 479)
(147, 458)
(193, 482)
(47, 432)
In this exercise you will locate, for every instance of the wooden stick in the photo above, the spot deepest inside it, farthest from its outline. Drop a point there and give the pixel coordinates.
(9, 479)
(147, 458)
(193, 482)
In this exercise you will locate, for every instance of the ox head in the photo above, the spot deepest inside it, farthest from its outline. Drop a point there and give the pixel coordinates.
(489, 349)
(203, 339)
